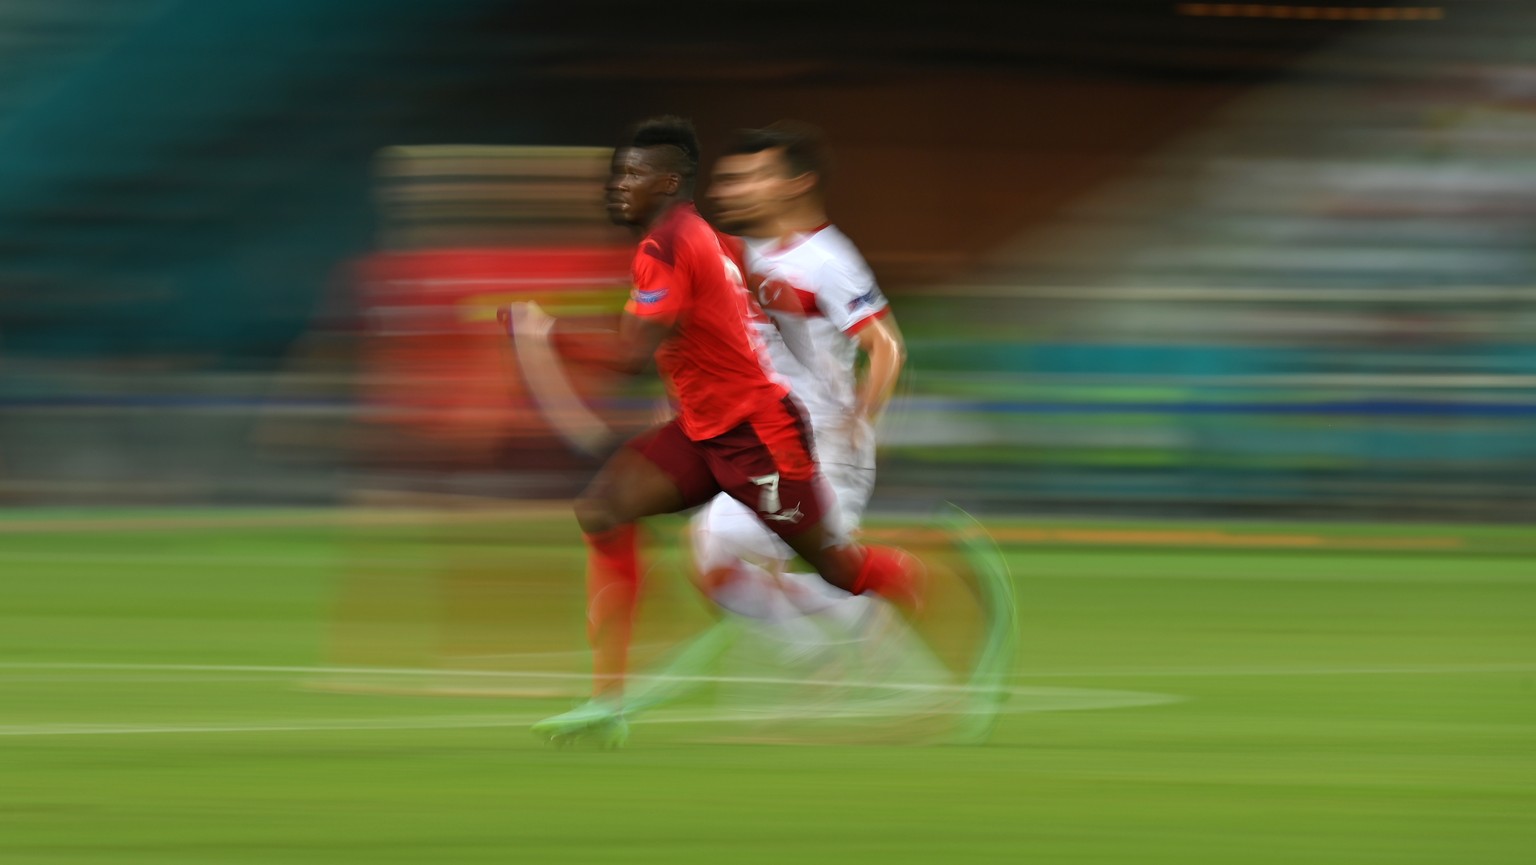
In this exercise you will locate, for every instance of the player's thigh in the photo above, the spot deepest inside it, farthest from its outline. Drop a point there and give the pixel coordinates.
(659, 471)
(766, 465)
(828, 551)
(726, 531)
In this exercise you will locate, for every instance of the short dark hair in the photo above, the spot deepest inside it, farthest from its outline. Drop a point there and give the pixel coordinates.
(802, 144)
(671, 132)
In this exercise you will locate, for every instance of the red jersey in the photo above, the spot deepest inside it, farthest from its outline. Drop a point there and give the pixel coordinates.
(686, 275)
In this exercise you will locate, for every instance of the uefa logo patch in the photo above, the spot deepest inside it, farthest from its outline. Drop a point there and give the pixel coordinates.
(869, 298)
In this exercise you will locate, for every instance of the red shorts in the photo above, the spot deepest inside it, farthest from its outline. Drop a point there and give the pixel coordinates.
(765, 463)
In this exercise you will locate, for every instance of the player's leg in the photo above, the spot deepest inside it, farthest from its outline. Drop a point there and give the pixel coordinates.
(627, 487)
(739, 564)
(849, 469)
(801, 621)
(810, 528)
(993, 585)
(766, 464)
(900, 577)
(862, 635)
(744, 566)
(890, 572)
(658, 472)
(849, 472)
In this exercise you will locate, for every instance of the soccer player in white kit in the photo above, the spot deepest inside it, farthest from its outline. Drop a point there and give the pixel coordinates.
(824, 308)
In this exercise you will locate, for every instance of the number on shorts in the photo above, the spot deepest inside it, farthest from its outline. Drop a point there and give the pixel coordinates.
(768, 502)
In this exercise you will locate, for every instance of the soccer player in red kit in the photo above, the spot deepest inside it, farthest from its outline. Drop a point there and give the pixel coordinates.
(737, 429)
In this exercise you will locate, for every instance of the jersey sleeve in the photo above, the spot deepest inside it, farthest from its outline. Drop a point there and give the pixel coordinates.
(849, 298)
(658, 294)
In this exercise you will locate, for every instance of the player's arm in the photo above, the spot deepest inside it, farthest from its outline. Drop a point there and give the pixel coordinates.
(851, 300)
(654, 309)
(650, 316)
(880, 340)
(637, 341)
(538, 350)
(628, 348)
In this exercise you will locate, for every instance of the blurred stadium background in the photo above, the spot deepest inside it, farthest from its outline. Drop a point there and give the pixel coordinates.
(1221, 315)
(1152, 257)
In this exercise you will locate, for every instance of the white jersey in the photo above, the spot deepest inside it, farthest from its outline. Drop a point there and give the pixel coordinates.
(820, 293)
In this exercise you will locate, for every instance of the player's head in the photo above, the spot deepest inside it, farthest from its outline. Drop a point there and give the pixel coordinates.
(652, 167)
(766, 171)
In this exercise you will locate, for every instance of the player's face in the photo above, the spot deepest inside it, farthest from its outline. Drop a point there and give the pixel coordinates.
(637, 189)
(748, 190)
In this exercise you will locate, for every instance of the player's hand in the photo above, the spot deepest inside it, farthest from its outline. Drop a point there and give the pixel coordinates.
(527, 318)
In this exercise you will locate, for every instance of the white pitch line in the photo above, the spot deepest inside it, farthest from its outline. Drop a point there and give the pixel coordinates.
(1245, 672)
(1027, 699)
(1129, 672)
(317, 725)
(907, 687)
(558, 653)
(1041, 700)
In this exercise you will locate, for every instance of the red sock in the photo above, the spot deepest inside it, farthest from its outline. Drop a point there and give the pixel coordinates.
(613, 587)
(893, 574)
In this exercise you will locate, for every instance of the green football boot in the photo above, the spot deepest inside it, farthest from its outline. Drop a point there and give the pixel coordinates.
(596, 721)
(993, 585)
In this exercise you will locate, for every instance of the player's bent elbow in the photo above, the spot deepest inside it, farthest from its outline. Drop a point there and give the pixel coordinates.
(891, 338)
(633, 364)
(888, 354)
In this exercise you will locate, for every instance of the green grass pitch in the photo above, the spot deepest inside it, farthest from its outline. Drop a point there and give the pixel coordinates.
(174, 690)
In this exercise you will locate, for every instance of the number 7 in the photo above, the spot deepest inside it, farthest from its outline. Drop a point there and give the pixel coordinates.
(768, 503)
